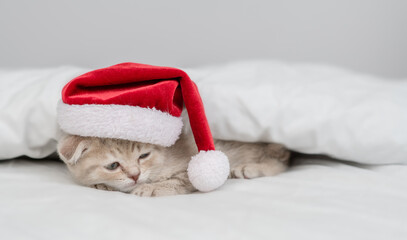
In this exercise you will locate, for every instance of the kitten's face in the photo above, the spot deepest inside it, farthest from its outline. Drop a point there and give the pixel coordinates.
(118, 164)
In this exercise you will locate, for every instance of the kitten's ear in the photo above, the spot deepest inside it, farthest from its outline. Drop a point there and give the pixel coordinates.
(71, 147)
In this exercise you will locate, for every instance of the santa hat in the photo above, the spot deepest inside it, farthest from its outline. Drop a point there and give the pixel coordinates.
(143, 103)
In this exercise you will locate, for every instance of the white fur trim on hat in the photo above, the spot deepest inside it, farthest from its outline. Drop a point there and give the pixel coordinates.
(208, 170)
(120, 121)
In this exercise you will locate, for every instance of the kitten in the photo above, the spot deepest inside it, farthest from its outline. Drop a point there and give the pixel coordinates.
(150, 170)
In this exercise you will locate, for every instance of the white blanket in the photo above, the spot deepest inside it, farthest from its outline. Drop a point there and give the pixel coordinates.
(28, 101)
(310, 109)
(315, 199)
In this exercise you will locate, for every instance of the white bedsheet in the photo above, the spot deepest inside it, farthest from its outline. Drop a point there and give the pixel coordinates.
(315, 199)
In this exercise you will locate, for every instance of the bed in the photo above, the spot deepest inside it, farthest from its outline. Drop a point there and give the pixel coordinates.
(317, 198)
(317, 111)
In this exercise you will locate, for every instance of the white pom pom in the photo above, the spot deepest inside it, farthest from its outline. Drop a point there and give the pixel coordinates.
(208, 170)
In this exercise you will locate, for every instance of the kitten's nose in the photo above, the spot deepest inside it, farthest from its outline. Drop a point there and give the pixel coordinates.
(135, 177)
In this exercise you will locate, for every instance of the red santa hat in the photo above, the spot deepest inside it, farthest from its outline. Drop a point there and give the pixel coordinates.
(143, 103)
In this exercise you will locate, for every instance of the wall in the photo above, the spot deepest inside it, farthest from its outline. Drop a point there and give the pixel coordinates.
(368, 36)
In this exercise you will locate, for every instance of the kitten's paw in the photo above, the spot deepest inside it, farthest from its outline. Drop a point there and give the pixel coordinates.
(153, 190)
(246, 171)
(102, 187)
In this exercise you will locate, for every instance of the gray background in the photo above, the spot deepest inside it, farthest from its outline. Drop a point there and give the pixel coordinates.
(367, 36)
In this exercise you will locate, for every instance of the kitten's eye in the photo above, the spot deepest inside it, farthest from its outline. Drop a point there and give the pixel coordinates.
(113, 166)
(144, 155)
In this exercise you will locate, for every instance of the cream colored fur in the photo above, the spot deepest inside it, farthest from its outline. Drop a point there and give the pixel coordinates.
(164, 171)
